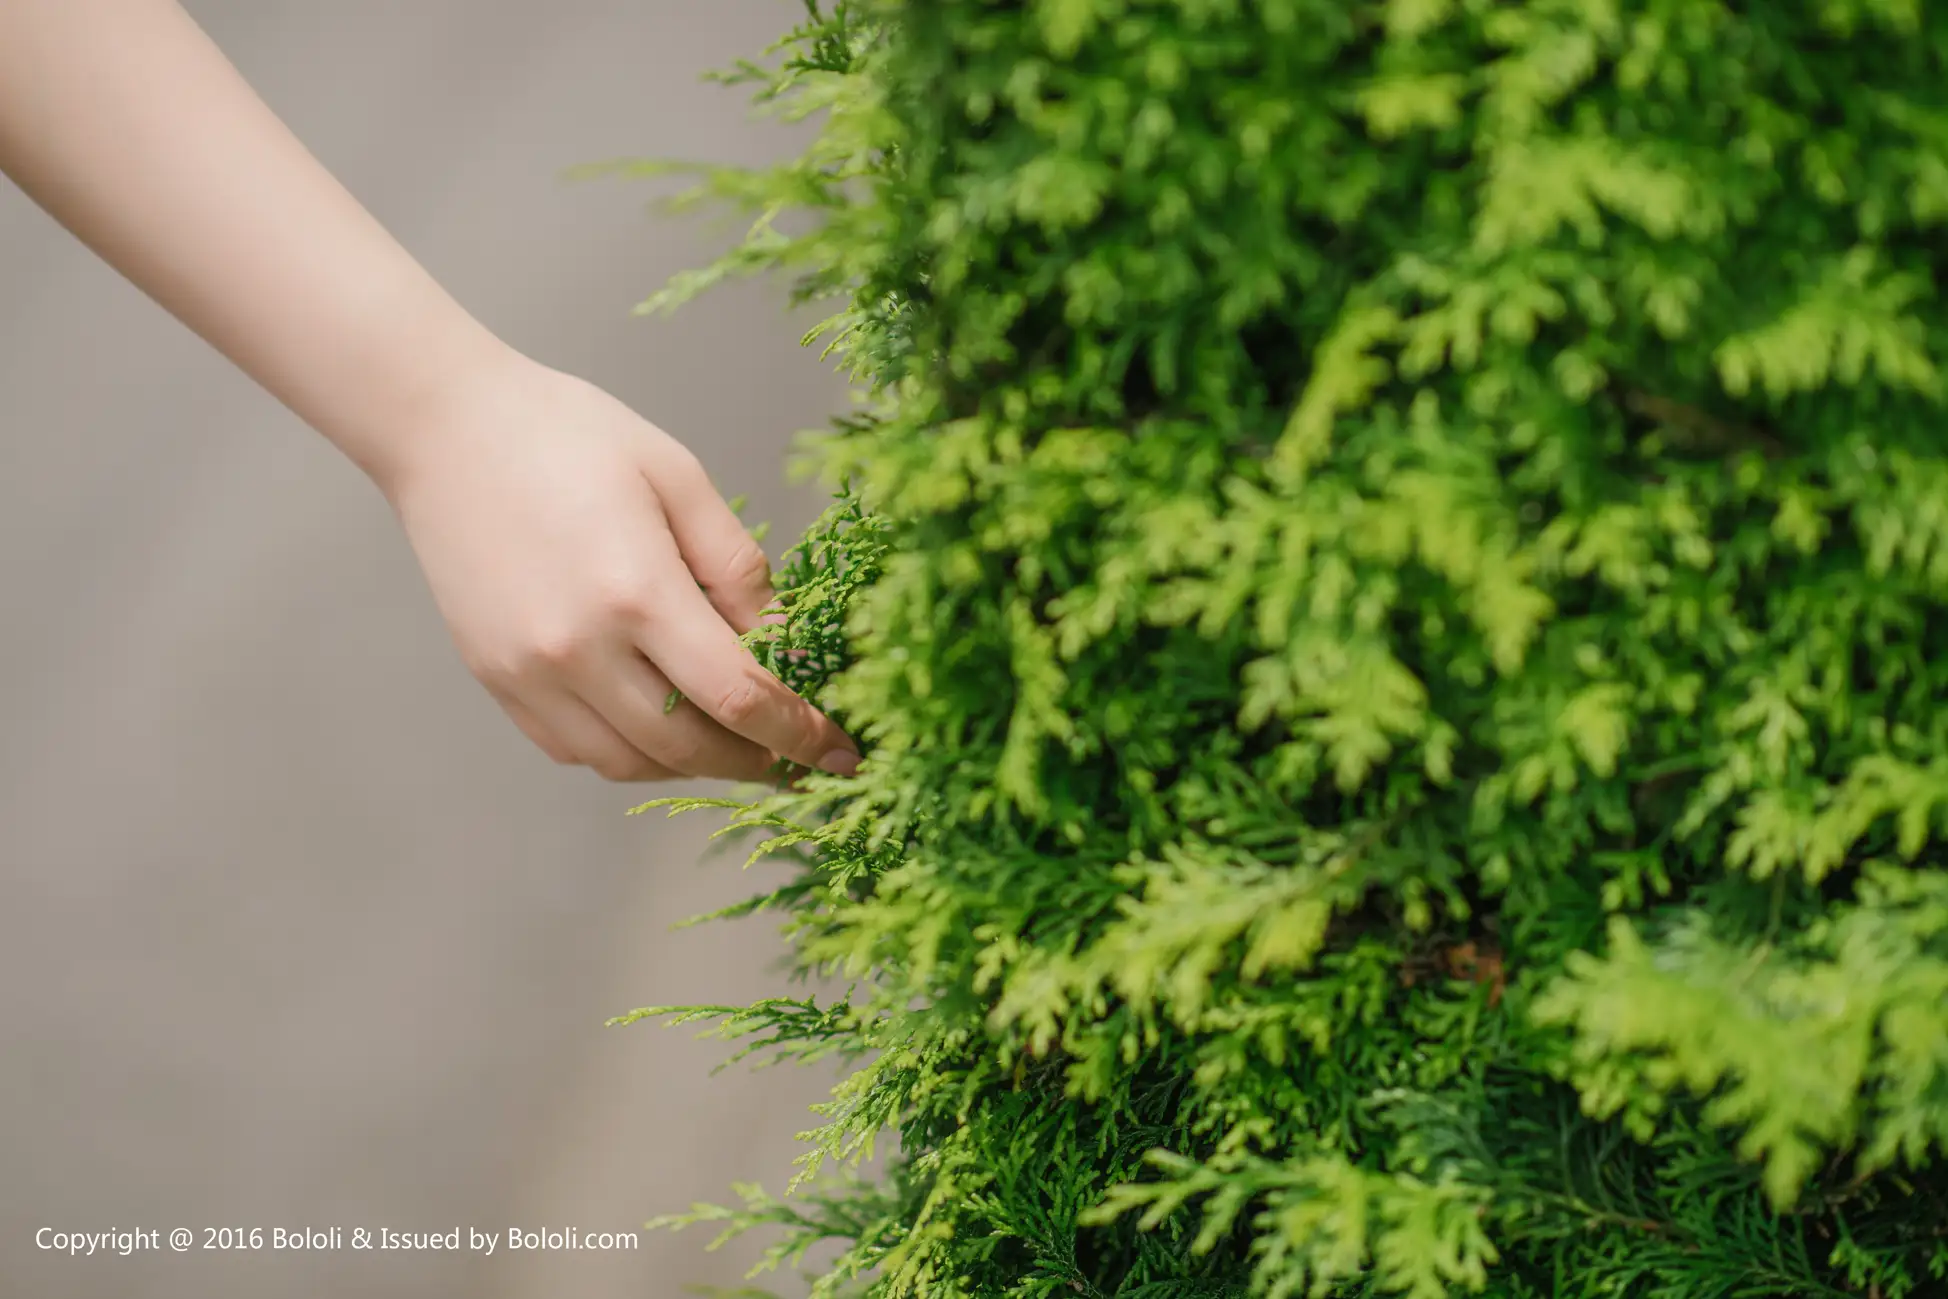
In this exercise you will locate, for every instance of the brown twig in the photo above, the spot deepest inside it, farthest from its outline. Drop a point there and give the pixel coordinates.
(1700, 430)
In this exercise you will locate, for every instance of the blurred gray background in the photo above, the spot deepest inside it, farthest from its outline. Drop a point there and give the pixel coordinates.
(295, 928)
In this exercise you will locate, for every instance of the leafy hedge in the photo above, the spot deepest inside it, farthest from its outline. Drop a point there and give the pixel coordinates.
(1394, 580)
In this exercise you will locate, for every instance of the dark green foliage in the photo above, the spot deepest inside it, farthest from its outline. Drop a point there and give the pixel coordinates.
(1395, 586)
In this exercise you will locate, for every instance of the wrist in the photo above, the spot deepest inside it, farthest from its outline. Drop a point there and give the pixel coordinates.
(412, 399)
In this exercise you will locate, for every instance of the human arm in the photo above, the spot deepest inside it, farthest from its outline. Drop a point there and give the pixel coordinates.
(581, 557)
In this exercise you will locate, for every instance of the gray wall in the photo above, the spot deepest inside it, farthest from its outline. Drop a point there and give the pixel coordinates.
(295, 928)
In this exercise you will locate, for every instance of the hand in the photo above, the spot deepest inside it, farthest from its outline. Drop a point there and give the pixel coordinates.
(586, 567)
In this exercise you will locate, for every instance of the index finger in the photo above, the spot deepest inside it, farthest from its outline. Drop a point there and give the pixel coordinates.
(689, 641)
(725, 559)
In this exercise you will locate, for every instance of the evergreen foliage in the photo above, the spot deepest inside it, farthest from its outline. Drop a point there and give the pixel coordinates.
(1394, 583)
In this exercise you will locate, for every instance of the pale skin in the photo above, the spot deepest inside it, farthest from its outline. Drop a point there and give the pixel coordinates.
(580, 556)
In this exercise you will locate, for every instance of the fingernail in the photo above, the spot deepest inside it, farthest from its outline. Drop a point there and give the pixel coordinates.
(839, 762)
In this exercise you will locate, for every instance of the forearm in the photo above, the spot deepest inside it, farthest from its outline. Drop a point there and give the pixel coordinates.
(128, 125)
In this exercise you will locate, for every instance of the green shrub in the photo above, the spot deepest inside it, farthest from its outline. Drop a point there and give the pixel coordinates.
(1395, 585)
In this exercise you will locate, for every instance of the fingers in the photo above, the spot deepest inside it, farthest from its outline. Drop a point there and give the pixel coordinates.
(724, 558)
(612, 719)
(697, 650)
(573, 733)
(632, 697)
(701, 654)
(536, 730)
